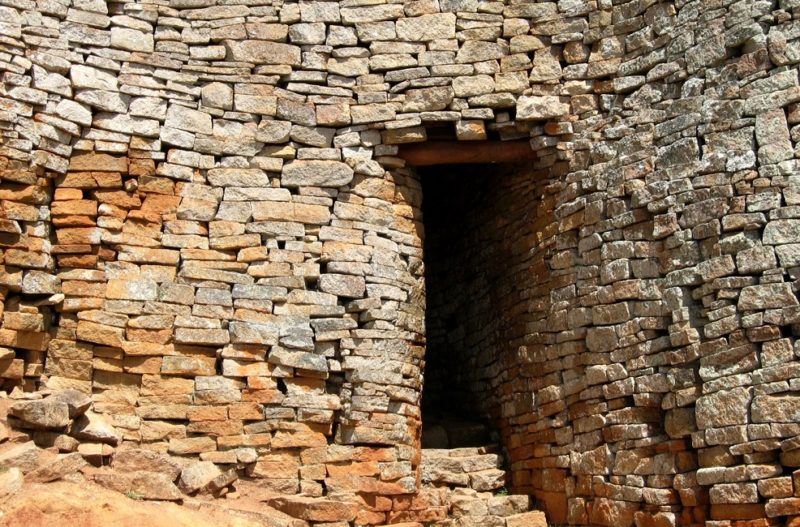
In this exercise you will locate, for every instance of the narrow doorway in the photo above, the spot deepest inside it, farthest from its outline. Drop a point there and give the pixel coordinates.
(463, 267)
(480, 232)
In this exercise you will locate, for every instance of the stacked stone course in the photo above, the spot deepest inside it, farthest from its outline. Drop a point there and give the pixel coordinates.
(206, 225)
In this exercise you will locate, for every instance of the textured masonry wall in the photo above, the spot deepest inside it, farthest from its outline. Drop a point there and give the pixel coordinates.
(205, 225)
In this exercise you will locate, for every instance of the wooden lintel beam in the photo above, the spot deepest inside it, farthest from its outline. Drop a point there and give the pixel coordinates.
(432, 153)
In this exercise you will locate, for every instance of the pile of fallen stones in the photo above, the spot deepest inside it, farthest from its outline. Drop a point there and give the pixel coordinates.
(66, 436)
(56, 435)
(477, 468)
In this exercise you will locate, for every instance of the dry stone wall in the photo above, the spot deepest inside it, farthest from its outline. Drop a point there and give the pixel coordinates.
(206, 226)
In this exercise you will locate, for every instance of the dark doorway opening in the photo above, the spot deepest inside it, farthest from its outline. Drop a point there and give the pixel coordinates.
(461, 270)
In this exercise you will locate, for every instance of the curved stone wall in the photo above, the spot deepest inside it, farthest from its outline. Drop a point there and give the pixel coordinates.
(205, 224)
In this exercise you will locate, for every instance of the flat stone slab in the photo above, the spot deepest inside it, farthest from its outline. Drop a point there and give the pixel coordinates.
(315, 509)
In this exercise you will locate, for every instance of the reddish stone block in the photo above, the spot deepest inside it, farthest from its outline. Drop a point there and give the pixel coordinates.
(12, 368)
(315, 509)
(98, 162)
(527, 519)
(554, 504)
(358, 469)
(744, 511)
(86, 261)
(433, 514)
(24, 339)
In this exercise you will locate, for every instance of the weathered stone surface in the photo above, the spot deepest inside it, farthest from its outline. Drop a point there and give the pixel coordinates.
(782, 231)
(95, 427)
(316, 173)
(314, 509)
(342, 285)
(428, 99)
(217, 95)
(298, 359)
(98, 162)
(187, 119)
(427, 27)
(11, 481)
(141, 484)
(767, 296)
(77, 402)
(615, 513)
(292, 212)
(772, 133)
(541, 107)
(88, 77)
(126, 124)
(197, 476)
(472, 85)
(40, 283)
(723, 408)
(769, 409)
(46, 413)
(348, 67)
(139, 460)
(478, 51)
(25, 456)
(57, 468)
(263, 52)
(132, 289)
(237, 177)
(131, 39)
(596, 461)
(274, 131)
(75, 112)
(527, 519)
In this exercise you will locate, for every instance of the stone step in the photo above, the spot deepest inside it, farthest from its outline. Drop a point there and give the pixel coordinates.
(479, 468)
(315, 509)
(267, 516)
(471, 508)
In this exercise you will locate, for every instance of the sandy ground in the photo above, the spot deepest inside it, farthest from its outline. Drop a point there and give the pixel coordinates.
(87, 505)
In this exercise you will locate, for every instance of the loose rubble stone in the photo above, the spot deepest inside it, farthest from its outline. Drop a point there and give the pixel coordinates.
(46, 413)
(11, 481)
(315, 509)
(77, 402)
(141, 484)
(61, 466)
(139, 460)
(197, 476)
(94, 427)
(25, 456)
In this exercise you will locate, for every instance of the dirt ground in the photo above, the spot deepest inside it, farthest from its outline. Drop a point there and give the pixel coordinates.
(70, 504)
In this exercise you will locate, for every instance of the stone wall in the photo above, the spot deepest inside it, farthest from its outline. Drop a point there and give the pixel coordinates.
(206, 226)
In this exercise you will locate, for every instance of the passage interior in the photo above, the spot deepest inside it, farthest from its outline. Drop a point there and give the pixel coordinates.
(474, 216)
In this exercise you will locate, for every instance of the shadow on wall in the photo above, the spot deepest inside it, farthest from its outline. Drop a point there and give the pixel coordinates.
(472, 298)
